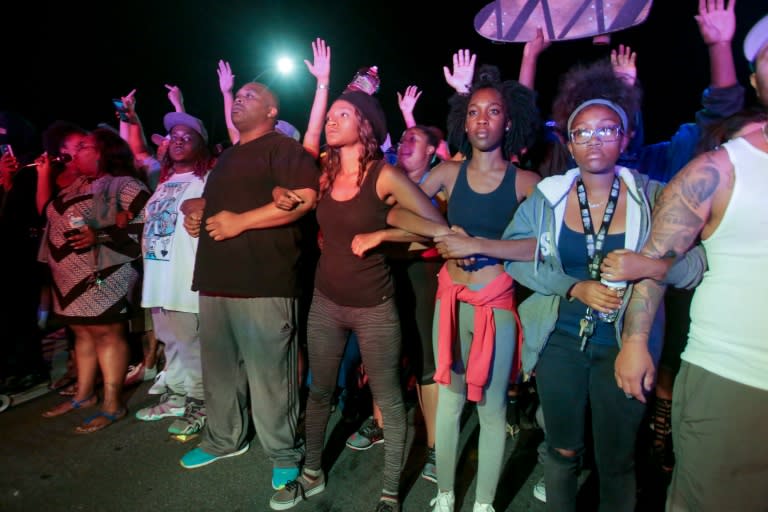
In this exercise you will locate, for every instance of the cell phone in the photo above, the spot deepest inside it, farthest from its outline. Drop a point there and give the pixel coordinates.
(121, 110)
(6, 149)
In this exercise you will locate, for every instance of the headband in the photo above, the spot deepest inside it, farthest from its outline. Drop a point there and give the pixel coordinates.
(598, 101)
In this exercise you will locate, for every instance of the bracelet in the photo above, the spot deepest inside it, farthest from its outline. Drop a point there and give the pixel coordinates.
(322, 86)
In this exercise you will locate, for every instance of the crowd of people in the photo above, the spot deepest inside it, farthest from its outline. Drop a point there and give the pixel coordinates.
(618, 279)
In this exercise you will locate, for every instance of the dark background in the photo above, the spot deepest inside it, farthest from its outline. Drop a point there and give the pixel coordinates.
(71, 58)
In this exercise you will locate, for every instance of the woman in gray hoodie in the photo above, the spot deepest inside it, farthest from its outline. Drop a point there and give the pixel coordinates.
(573, 345)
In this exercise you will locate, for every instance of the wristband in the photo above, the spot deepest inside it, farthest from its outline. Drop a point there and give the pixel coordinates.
(322, 86)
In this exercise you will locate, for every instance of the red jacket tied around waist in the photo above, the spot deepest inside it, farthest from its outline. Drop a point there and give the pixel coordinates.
(498, 294)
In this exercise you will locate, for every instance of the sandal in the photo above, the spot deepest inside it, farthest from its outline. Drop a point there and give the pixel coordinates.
(70, 405)
(96, 422)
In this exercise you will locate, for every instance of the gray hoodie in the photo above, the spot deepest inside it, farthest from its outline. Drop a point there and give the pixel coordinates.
(541, 216)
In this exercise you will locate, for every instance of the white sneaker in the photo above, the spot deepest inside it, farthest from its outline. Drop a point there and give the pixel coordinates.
(158, 387)
(443, 502)
(540, 490)
(482, 507)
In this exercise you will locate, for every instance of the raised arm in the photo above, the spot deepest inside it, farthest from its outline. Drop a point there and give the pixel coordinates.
(460, 78)
(132, 131)
(624, 64)
(407, 102)
(226, 83)
(175, 97)
(320, 67)
(717, 24)
(531, 52)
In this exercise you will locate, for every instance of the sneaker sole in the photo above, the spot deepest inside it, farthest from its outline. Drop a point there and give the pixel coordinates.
(429, 478)
(156, 417)
(363, 448)
(211, 461)
(286, 505)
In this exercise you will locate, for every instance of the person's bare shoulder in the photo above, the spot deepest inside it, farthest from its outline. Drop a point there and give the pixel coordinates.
(525, 183)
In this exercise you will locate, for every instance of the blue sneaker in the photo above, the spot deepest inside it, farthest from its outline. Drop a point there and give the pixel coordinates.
(198, 457)
(281, 476)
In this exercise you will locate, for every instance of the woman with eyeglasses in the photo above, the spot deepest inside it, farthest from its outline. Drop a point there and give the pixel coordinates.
(572, 322)
(92, 250)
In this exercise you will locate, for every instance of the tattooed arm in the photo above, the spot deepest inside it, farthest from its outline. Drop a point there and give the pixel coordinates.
(690, 203)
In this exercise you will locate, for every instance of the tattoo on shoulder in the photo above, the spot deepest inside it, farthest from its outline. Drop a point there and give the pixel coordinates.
(699, 185)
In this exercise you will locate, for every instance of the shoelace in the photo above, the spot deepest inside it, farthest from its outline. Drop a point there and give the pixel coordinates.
(370, 429)
(385, 506)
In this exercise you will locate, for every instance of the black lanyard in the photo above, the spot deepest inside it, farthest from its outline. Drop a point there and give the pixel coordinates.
(594, 245)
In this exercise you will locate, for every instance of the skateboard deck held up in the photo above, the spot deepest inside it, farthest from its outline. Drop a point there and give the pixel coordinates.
(510, 21)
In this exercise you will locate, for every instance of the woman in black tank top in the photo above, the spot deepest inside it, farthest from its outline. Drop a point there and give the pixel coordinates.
(489, 126)
(354, 288)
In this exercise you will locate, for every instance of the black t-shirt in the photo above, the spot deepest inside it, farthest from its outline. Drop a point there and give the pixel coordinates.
(258, 262)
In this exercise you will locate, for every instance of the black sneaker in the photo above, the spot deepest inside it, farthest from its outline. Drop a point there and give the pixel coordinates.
(369, 434)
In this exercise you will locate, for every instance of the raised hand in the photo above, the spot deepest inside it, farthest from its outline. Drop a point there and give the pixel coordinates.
(175, 97)
(538, 44)
(320, 67)
(407, 100)
(129, 100)
(463, 71)
(623, 64)
(226, 78)
(717, 21)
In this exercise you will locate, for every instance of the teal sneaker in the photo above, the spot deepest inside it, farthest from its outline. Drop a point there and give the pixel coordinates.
(198, 457)
(281, 476)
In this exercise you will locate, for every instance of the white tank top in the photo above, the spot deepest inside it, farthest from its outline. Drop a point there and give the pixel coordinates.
(729, 313)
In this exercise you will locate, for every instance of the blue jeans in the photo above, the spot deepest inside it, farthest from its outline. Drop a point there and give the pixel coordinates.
(569, 381)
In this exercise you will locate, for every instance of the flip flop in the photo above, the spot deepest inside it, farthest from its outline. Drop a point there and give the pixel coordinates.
(90, 426)
(73, 404)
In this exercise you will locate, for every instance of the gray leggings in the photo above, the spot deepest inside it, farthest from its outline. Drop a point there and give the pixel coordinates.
(491, 410)
(378, 333)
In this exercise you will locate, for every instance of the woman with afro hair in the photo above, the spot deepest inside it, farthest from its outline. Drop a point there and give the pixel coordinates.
(475, 329)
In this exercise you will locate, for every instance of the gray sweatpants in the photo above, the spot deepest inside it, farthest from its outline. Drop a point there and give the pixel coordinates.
(249, 345)
(180, 332)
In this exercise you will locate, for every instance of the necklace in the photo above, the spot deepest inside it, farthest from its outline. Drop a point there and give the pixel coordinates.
(595, 205)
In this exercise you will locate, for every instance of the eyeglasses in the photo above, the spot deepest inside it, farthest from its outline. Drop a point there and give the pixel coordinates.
(603, 134)
(185, 139)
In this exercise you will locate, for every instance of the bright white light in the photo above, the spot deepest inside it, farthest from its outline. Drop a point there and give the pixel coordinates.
(285, 65)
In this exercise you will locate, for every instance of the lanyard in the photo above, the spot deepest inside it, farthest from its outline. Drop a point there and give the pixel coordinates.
(595, 244)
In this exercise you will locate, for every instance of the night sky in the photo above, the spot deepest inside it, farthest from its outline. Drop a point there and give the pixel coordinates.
(75, 56)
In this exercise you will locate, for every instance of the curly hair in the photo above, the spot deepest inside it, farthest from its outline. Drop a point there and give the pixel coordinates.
(519, 105)
(116, 157)
(592, 81)
(331, 162)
